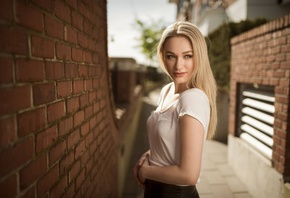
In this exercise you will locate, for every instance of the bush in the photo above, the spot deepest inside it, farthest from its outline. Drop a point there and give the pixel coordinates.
(220, 51)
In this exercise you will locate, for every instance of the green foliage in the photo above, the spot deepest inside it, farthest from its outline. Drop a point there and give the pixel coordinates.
(220, 51)
(150, 34)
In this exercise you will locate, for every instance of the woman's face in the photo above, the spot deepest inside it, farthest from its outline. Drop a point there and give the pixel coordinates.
(179, 61)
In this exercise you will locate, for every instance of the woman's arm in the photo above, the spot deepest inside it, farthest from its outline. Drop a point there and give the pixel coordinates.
(143, 159)
(191, 146)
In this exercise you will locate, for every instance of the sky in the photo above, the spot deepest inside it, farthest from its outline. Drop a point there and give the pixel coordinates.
(122, 36)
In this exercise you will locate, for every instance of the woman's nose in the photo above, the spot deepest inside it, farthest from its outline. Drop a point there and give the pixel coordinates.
(179, 63)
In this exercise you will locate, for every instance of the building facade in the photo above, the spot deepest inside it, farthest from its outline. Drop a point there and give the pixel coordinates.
(210, 14)
(58, 135)
(259, 115)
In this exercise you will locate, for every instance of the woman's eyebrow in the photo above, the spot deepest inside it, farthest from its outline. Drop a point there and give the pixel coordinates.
(185, 52)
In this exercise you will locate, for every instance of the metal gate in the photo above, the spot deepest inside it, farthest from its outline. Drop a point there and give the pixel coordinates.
(256, 117)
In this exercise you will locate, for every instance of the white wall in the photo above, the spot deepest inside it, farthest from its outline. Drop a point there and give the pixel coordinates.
(256, 172)
(252, 9)
(211, 19)
(237, 11)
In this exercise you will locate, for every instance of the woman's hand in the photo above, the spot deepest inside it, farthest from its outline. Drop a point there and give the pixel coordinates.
(144, 159)
(141, 169)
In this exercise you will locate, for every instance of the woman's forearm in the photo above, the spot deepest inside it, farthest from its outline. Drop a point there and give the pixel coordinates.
(170, 174)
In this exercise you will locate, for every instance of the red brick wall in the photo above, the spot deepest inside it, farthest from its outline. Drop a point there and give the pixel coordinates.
(262, 56)
(57, 135)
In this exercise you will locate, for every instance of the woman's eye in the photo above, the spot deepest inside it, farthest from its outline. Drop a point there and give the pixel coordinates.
(188, 56)
(170, 56)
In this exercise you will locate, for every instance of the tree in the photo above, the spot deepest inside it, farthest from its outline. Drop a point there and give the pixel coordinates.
(150, 34)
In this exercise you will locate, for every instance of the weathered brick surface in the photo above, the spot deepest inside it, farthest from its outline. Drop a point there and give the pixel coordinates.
(262, 56)
(58, 137)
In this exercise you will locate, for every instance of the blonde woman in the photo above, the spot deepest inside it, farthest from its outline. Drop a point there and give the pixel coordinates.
(184, 118)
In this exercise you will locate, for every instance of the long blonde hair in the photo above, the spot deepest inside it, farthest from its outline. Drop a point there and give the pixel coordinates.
(202, 76)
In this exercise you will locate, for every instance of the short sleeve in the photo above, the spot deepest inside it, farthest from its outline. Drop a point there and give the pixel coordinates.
(195, 103)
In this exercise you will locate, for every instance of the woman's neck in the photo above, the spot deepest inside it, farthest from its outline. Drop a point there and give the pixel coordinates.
(179, 88)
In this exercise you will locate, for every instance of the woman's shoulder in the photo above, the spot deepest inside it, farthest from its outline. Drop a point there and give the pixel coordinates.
(194, 92)
(166, 88)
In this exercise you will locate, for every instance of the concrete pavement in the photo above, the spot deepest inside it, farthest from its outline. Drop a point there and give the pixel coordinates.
(217, 179)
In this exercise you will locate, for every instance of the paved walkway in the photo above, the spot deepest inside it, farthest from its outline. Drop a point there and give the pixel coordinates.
(217, 179)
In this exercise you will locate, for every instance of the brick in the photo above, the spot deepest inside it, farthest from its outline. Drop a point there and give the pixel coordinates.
(80, 179)
(73, 138)
(8, 187)
(92, 97)
(92, 45)
(89, 164)
(13, 40)
(88, 57)
(74, 171)
(84, 158)
(85, 186)
(47, 182)
(55, 111)
(43, 93)
(72, 3)
(82, 40)
(30, 193)
(78, 118)
(13, 99)
(8, 131)
(57, 152)
(78, 86)
(71, 70)
(31, 121)
(62, 11)
(6, 70)
(88, 112)
(63, 52)
(66, 162)
(280, 57)
(54, 70)
(31, 172)
(64, 89)
(88, 28)
(84, 100)
(77, 54)
(83, 71)
(6, 12)
(41, 47)
(29, 15)
(53, 27)
(47, 5)
(58, 190)
(88, 85)
(13, 157)
(85, 129)
(72, 105)
(46, 138)
(65, 126)
(70, 192)
(82, 8)
(24, 70)
(77, 20)
(80, 148)
(70, 35)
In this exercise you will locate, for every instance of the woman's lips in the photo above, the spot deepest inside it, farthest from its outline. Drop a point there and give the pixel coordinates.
(179, 74)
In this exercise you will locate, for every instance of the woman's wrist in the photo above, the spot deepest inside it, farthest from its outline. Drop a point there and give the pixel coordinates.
(142, 172)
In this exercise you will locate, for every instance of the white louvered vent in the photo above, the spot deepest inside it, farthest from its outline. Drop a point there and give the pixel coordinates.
(257, 119)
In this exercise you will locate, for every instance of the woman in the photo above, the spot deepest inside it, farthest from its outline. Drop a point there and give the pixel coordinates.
(184, 118)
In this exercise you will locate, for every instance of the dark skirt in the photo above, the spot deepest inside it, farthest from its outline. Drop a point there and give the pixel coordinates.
(154, 189)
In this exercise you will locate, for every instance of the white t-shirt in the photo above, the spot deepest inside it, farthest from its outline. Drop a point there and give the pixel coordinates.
(163, 123)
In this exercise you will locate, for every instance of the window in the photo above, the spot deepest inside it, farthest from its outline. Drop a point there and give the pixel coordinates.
(256, 117)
